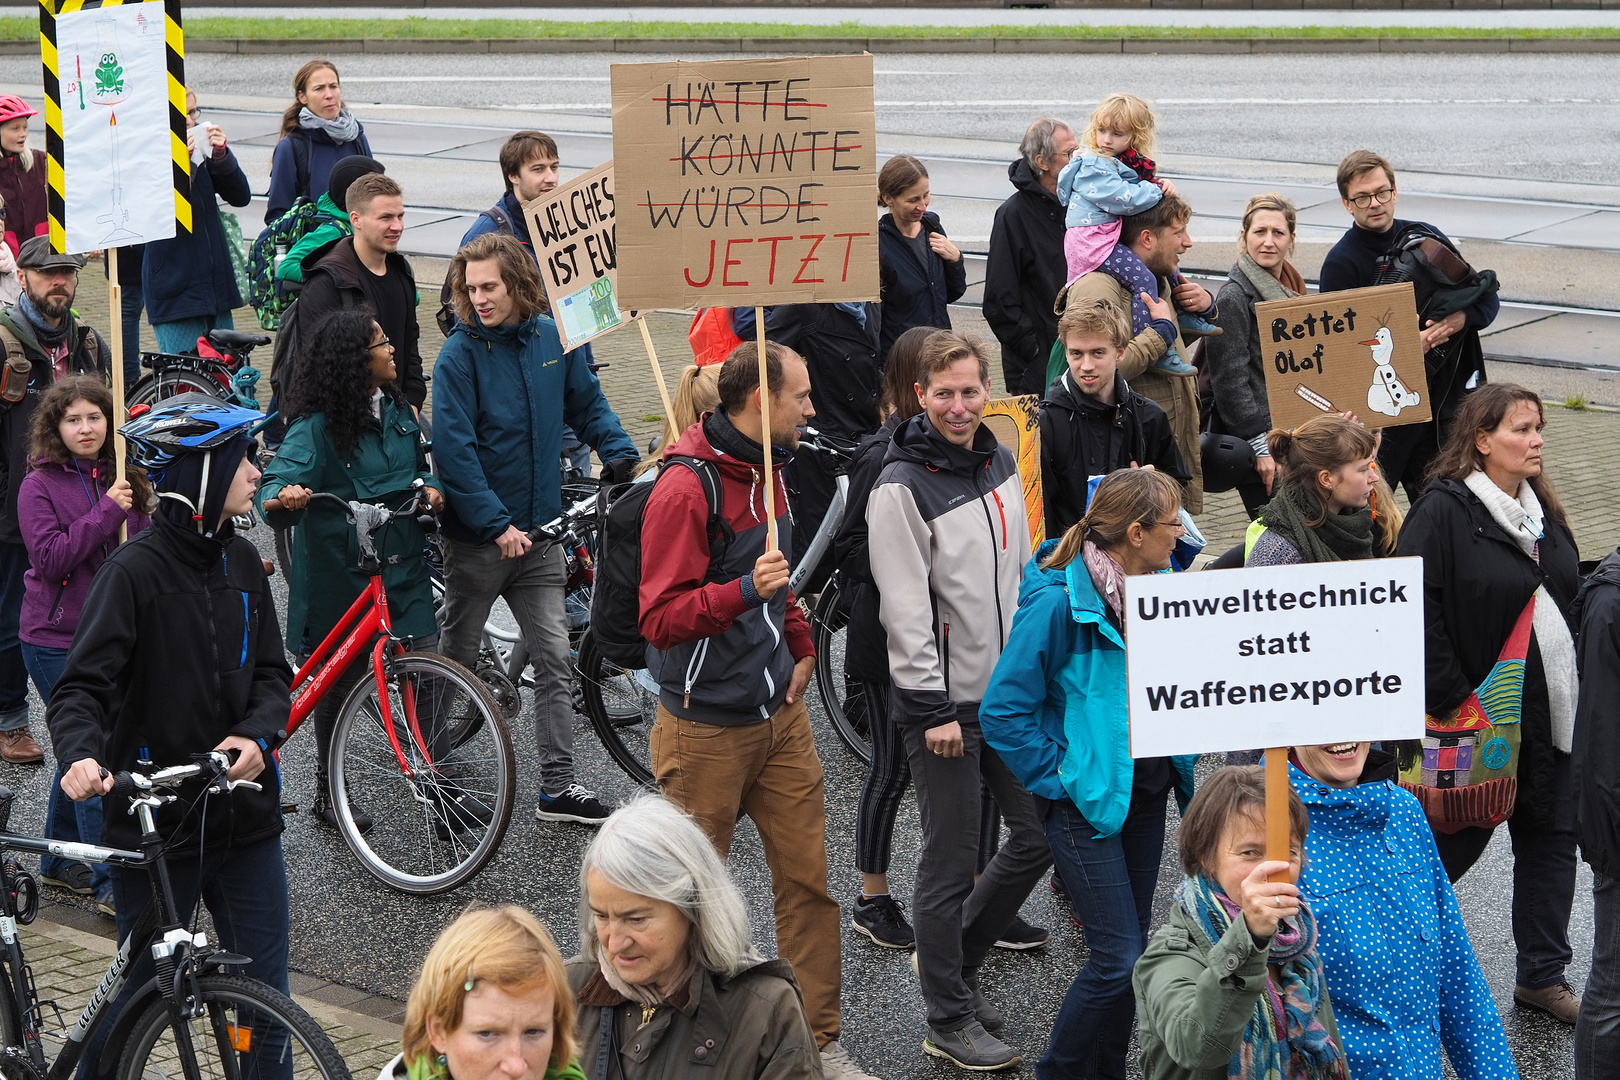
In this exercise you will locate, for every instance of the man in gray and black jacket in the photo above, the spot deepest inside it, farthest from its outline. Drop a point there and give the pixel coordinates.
(949, 506)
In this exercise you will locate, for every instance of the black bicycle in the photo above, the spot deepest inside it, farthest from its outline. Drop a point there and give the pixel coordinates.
(221, 367)
(192, 1018)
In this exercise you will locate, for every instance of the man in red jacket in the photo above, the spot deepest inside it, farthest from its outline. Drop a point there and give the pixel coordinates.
(732, 655)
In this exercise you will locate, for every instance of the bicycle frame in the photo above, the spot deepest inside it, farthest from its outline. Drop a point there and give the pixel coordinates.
(822, 541)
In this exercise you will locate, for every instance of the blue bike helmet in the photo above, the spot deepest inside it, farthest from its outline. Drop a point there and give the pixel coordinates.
(191, 423)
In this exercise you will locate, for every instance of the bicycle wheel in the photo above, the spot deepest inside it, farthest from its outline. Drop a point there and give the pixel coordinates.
(621, 705)
(155, 388)
(248, 1031)
(438, 820)
(842, 697)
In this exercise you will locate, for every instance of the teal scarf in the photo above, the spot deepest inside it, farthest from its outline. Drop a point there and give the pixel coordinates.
(430, 1067)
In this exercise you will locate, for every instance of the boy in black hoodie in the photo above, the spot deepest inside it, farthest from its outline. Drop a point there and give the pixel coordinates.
(1092, 422)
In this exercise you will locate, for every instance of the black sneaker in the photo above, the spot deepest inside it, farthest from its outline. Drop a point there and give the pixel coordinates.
(882, 919)
(574, 804)
(74, 878)
(1021, 936)
(324, 813)
(454, 809)
(970, 1047)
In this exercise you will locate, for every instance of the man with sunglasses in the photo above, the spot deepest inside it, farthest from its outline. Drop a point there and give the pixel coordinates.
(1453, 356)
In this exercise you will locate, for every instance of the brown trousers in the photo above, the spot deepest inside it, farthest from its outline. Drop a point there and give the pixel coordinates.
(770, 772)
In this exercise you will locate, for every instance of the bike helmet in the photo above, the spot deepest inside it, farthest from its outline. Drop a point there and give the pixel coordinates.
(184, 424)
(13, 107)
(1228, 461)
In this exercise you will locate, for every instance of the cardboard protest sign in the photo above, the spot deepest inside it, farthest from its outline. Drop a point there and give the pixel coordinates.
(1275, 656)
(746, 182)
(119, 172)
(1352, 351)
(1016, 424)
(572, 228)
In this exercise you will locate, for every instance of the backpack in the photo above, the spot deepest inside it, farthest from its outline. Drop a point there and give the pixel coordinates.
(265, 294)
(446, 316)
(616, 599)
(289, 346)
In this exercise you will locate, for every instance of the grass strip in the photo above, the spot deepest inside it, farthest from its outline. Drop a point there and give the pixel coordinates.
(19, 28)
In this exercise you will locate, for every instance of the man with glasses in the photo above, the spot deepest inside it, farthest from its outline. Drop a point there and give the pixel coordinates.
(1453, 358)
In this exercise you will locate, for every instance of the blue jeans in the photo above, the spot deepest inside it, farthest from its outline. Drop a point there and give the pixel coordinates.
(182, 334)
(132, 334)
(245, 890)
(1597, 1032)
(1110, 883)
(13, 675)
(64, 818)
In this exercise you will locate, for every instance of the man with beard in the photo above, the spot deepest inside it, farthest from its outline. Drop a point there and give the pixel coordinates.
(1157, 237)
(44, 342)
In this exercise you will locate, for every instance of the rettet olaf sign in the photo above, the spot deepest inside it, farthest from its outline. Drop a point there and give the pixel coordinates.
(1275, 656)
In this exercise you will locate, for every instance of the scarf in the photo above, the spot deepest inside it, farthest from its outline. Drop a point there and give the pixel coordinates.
(1123, 265)
(345, 129)
(1339, 538)
(1143, 167)
(430, 1067)
(1522, 519)
(641, 995)
(856, 309)
(1283, 1040)
(53, 339)
(1270, 288)
(1107, 575)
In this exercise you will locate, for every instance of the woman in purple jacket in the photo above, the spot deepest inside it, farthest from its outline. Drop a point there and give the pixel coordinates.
(69, 509)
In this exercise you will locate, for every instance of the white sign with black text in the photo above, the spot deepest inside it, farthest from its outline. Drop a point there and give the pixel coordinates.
(1275, 656)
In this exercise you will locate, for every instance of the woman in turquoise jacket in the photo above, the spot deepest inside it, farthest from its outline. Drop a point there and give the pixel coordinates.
(1055, 711)
(355, 437)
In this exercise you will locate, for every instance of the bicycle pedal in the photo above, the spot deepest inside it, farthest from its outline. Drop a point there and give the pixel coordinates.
(288, 807)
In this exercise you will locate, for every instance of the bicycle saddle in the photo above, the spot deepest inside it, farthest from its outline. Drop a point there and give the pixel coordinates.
(235, 339)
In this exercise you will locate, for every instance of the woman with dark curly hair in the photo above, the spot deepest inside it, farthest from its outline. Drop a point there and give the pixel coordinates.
(352, 435)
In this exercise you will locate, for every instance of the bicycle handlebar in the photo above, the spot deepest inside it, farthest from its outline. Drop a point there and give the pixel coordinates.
(214, 765)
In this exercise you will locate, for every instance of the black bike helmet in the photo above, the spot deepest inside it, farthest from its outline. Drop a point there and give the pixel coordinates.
(1228, 461)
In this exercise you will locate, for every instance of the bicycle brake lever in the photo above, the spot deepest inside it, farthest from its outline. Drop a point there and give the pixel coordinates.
(251, 785)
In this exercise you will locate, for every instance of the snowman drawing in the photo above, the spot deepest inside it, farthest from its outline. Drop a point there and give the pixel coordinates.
(1387, 394)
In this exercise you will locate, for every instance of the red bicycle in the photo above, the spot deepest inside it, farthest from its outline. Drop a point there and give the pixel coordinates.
(420, 749)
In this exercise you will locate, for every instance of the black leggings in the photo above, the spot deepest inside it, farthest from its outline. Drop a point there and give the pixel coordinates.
(887, 780)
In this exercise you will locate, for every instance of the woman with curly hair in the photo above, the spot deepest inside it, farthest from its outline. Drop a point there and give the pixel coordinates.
(352, 435)
(69, 509)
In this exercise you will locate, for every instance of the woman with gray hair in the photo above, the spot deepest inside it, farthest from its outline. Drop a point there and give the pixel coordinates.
(666, 976)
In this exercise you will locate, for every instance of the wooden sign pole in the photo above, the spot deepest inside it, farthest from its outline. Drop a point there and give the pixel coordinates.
(765, 432)
(116, 321)
(670, 433)
(1278, 832)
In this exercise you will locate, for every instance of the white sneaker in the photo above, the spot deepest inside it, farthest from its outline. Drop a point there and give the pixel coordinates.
(836, 1064)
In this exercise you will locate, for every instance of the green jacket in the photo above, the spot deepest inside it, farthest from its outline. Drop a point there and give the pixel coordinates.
(321, 236)
(1194, 999)
(325, 576)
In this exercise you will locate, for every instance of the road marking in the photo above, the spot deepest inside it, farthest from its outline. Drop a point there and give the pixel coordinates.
(475, 78)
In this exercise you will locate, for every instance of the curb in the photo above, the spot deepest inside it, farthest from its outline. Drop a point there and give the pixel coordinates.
(825, 46)
(1209, 5)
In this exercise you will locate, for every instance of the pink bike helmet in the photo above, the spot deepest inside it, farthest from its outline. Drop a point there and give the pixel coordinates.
(13, 107)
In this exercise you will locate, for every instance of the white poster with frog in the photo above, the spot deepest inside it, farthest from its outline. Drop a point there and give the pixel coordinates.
(118, 182)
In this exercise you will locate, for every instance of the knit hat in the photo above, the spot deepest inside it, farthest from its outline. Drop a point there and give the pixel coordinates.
(346, 172)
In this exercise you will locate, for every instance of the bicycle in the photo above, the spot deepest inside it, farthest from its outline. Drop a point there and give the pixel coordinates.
(222, 367)
(192, 1016)
(421, 748)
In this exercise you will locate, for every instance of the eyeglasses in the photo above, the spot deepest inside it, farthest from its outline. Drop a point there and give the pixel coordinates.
(1176, 524)
(379, 344)
(194, 113)
(1361, 202)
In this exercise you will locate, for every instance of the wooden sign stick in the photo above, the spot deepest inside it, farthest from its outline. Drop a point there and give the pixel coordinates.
(670, 434)
(765, 432)
(1278, 832)
(116, 321)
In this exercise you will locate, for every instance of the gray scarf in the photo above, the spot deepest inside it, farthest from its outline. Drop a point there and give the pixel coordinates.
(345, 129)
(1267, 286)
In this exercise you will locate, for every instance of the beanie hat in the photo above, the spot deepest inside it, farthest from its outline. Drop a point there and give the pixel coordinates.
(346, 172)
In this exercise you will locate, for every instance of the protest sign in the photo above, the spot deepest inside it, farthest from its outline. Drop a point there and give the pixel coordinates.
(746, 182)
(1015, 421)
(572, 230)
(1275, 656)
(1352, 351)
(119, 172)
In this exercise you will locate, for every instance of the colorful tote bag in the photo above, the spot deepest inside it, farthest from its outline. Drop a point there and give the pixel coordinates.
(1467, 775)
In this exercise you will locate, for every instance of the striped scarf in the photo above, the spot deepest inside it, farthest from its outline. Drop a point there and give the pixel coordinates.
(1283, 1040)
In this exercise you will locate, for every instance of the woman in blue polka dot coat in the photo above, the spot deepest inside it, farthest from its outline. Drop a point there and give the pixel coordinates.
(1399, 965)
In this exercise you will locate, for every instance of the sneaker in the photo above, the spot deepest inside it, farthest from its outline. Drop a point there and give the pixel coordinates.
(574, 804)
(882, 919)
(1193, 327)
(105, 905)
(970, 1047)
(836, 1064)
(1171, 363)
(20, 748)
(1021, 936)
(1058, 888)
(1558, 1001)
(454, 810)
(324, 813)
(75, 878)
(986, 1013)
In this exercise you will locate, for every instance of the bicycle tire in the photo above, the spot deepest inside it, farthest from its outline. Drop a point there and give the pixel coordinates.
(620, 708)
(275, 1027)
(11, 1033)
(842, 697)
(284, 552)
(155, 388)
(437, 827)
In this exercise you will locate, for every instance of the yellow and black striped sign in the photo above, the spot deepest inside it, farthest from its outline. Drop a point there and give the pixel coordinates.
(49, 12)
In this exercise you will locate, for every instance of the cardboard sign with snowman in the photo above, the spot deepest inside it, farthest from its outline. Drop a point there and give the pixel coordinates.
(1352, 351)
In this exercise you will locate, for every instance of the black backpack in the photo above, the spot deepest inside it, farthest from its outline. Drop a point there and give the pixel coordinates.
(616, 598)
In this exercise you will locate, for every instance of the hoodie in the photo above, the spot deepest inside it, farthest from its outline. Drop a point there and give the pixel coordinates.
(1596, 757)
(333, 283)
(317, 242)
(1082, 437)
(1025, 272)
(720, 655)
(954, 542)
